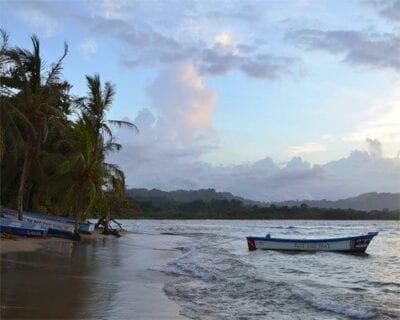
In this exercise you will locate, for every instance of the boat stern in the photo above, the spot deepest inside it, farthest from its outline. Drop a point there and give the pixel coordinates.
(251, 244)
(361, 244)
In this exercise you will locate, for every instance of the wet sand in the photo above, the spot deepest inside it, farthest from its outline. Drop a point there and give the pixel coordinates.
(99, 277)
(26, 244)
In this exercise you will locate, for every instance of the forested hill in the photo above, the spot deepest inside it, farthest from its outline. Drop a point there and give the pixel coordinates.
(185, 196)
(209, 204)
(365, 202)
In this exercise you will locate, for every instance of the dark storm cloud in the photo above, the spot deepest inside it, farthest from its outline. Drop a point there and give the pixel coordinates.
(357, 47)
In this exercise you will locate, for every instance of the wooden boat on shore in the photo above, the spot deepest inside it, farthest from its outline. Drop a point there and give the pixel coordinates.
(83, 227)
(54, 227)
(357, 244)
(22, 228)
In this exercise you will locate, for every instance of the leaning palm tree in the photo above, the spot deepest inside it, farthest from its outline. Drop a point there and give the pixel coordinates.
(34, 94)
(94, 107)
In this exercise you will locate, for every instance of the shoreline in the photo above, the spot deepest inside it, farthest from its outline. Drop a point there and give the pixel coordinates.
(31, 244)
(129, 267)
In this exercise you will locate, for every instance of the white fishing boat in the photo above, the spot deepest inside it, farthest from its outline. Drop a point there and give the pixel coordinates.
(54, 227)
(83, 227)
(343, 244)
(22, 228)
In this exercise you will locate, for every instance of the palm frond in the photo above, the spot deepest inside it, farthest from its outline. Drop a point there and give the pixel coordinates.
(122, 123)
(55, 72)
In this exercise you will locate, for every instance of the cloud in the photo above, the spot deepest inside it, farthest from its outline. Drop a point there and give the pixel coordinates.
(44, 17)
(213, 53)
(374, 147)
(161, 33)
(382, 124)
(309, 147)
(358, 47)
(248, 13)
(262, 180)
(390, 9)
(111, 9)
(183, 104)
(175, 130)
(40, 21)
(88, 48)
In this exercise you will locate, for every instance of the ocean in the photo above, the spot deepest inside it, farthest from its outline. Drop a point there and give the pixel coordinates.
(218, 278)
(206, 272)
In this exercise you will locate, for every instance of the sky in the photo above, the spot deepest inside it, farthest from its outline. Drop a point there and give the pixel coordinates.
(271, 100)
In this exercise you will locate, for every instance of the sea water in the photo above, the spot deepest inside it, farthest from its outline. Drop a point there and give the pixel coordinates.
(218, 278)
(208, 271)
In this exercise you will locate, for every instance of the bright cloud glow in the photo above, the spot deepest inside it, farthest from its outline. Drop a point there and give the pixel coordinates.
(309, 147)
(382, 124)
(224, 39)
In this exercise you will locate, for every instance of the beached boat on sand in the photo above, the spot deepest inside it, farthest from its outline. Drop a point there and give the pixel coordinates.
(54, 227)
(22, 228)
(345, 244)
(83, 227)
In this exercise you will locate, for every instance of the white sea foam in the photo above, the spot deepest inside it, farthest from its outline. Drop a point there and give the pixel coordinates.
(335, 307)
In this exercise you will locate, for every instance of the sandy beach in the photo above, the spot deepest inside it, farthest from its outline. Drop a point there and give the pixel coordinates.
(26, 244)
(98, 277)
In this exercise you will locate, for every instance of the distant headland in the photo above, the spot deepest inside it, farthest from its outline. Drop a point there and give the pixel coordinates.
(210, 204)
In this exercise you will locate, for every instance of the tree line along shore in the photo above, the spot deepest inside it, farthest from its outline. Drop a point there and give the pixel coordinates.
(53, 144)
(235, 209)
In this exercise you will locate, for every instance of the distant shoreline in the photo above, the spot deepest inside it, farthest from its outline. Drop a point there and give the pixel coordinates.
(232, 210)
(210, 204)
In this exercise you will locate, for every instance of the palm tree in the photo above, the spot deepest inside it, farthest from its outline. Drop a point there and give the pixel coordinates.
(82, 172)
(94, 107)
(34, 95)
(89, 183)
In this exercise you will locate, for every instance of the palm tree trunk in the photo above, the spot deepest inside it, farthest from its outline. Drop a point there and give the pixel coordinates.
(22, 184)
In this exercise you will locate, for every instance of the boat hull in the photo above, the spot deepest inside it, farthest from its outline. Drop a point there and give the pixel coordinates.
(83, 227)
(54, 227)
(357, 244)
(21, 228)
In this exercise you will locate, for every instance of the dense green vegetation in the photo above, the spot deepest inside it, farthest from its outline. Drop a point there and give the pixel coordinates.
(53, 144)
(235, 209)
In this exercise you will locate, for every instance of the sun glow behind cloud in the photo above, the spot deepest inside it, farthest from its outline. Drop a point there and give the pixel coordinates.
(224, 39)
